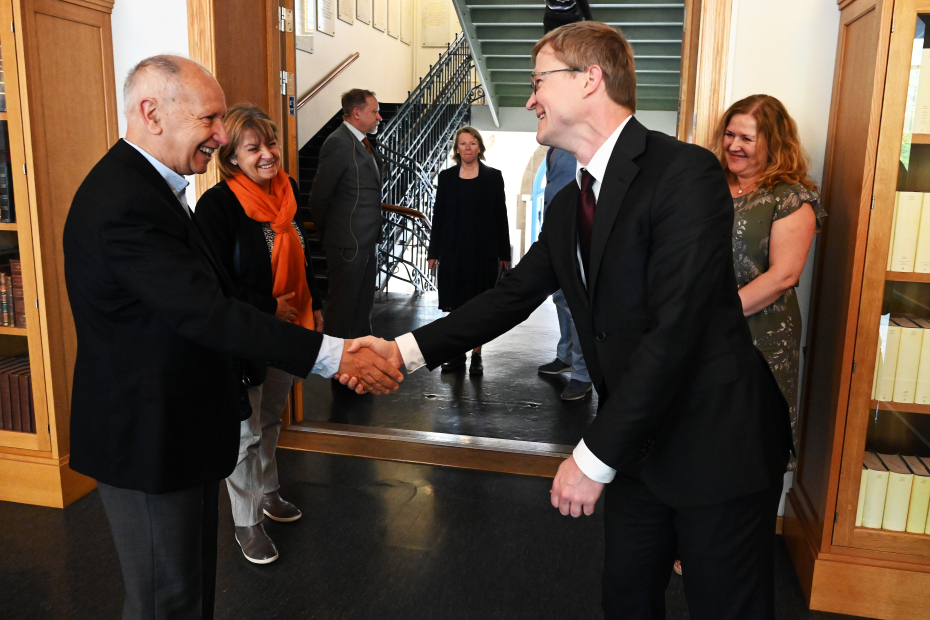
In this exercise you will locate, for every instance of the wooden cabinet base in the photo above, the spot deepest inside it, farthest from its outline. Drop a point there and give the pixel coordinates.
(853, 584)
(41, 481)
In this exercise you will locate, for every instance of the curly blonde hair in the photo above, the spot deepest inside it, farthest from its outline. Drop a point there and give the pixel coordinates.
(778, 133)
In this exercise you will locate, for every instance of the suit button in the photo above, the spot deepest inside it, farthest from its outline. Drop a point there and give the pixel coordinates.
(601, 336)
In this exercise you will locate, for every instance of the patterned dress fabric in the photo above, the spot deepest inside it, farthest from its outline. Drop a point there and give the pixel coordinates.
(776, 330)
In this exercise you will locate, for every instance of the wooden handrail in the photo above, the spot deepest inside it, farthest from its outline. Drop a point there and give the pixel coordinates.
(329, 78)
(403, 211)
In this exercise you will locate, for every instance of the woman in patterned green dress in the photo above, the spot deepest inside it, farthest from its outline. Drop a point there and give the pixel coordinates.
(777, 213)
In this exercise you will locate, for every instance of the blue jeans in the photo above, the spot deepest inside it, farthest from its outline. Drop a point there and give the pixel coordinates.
(569, 349)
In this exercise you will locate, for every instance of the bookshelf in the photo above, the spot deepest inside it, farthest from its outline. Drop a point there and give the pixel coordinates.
(876, 149)
(59, 119)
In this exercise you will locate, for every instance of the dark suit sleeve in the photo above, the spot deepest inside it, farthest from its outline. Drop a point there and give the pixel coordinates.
(495, 311)
(220, 224)
(439, 219)
(690, 244)
(332, 167)
(147, 248)
(500, 221)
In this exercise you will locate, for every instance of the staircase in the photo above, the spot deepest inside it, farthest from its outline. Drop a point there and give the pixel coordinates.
(502, 34)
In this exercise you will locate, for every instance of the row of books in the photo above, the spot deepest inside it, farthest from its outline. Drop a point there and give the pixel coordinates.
(910, 241)
(902, 370)
(17, 409)
(7, 212)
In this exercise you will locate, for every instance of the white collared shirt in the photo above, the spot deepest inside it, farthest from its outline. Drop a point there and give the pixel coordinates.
(361, 138)
(330, 354)
(593, 467)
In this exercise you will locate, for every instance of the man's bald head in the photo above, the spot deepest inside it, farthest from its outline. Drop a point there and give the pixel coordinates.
(160, 77)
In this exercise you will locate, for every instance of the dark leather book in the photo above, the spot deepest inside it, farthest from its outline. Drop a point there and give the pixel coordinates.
(19, 301)
(6, 406)
(27, 419)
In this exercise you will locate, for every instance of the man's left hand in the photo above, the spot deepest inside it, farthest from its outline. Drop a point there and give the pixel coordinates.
(573, 492)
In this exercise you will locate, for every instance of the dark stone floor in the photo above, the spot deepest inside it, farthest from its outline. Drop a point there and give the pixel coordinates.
(511, 400)
(378, 540)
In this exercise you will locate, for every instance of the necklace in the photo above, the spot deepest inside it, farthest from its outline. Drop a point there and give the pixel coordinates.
(741, 188)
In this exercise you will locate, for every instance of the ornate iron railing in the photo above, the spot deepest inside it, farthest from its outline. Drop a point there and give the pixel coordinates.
(415, 146)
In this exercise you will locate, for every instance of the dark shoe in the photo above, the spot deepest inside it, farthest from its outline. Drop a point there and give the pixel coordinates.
(555, 367)
(279, 509)
(455, 364)
(477, 368)
(256, 546)
(576, 390)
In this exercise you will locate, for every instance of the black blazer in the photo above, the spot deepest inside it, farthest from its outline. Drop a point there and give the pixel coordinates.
(686, 402)
(154, 404)
(226, 226)
(495, 235)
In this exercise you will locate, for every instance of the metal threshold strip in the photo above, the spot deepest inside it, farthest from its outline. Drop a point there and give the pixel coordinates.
(428, 438)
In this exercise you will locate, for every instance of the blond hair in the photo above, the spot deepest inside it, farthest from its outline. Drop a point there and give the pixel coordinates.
(584, 44)
(473, 133)
(240, 119)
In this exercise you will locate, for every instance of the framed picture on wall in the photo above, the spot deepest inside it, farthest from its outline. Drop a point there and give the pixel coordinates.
(346, 11)
(393, 28)
(363, 11)
(326, 17)
(406, 21)
(434, 23)
(379, 15)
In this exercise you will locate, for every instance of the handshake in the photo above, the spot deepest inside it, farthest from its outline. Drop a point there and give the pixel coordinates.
(370, 364)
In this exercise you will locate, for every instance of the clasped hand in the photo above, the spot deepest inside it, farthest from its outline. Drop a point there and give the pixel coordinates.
(370, 364)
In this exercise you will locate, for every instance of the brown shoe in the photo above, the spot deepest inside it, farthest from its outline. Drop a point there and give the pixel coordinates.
(279, 509)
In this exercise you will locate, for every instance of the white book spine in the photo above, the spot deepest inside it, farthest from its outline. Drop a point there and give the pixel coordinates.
(874, 508)
(894, 221)
(920, 502)
(905, 376)
(862, 486)
(897, 500)
(922, 108)
(907, 225)
(885, 391)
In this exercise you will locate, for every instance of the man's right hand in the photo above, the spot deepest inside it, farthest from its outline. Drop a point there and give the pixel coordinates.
(371, 365)
(285, 311)
(431, 263)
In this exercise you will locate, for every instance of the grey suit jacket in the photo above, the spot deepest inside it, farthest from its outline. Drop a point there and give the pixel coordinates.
(346, 197)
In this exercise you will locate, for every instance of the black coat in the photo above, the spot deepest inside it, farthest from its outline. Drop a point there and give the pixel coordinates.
(155, 399)
(228, 229)
(686, 402)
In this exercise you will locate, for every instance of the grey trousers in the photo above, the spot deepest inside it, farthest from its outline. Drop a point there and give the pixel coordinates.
(166, 545)
(256, 471)
(351, 279)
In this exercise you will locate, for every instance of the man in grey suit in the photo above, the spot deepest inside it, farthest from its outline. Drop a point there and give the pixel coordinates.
(346, 205)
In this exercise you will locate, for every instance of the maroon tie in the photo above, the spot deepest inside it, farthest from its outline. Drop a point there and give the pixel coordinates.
(586, 217)
(367, 145)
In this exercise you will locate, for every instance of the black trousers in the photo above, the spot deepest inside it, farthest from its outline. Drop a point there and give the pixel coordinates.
(167, 550)
(726, 551)
(351, 276)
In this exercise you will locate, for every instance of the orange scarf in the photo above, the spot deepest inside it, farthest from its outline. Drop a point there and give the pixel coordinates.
(288, 263)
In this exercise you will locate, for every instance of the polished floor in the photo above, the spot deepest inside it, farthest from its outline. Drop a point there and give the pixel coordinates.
(379, 540)
(511, 401)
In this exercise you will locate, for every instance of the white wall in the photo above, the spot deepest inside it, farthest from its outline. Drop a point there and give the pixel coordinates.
(385, 65)
(143, 28)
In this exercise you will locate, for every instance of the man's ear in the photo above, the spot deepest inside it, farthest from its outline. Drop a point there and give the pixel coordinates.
(594, 77)
(151, 116)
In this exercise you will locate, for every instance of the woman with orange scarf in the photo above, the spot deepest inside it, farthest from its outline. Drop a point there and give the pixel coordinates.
(249, 220)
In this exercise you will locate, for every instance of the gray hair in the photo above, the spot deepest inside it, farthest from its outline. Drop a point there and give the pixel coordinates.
(167, 67)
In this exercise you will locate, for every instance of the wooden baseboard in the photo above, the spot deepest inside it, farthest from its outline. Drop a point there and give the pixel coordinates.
(503, 456)
(50, 482)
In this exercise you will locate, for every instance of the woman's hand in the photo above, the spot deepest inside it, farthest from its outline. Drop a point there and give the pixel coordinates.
(505, 264)
(431, 263)
(285, 311)
(317, 321)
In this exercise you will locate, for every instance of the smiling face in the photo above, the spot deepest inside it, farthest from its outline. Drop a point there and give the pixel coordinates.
(551, 101)
(745, 153)
(257, 159)
(192, 127)
(467, 147)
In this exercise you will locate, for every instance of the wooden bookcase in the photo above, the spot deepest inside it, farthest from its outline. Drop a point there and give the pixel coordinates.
(61, 119)
(844, 568)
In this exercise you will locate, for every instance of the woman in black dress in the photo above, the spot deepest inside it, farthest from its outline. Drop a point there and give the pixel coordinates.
(471, 236)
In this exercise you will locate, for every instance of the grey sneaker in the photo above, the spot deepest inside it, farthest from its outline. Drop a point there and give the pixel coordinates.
(256, 546)
(279, 509)
(576, 390)
(555, 367)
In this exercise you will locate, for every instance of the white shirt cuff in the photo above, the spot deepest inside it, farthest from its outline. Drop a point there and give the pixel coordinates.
(592, 467)
(329, 357)
(410, 351)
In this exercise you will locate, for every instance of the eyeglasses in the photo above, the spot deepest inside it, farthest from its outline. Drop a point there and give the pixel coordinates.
(534, 83)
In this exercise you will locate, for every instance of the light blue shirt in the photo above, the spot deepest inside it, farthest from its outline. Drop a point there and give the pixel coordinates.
(330, 355)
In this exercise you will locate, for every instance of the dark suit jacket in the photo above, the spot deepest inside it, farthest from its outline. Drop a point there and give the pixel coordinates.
(686, 402)
(345, 200)
(229, 230)
(494, 237)
(154, 404)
